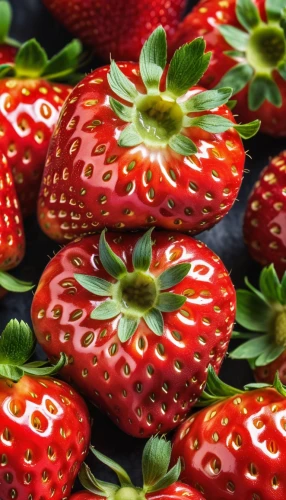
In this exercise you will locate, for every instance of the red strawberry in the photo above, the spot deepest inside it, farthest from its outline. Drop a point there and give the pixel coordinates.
(145, 374)
(248, 43)
(31, 100)
(101, 172)
(159, 483)
(117, 27)
(45, 429)
(234, 448)
(265, 217)
(263, 312)
(8, 46)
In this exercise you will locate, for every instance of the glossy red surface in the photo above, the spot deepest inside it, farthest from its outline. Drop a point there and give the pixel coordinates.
(177, 491)
(29, 110)
(265, 217)
(149, 383)
(90, 182)
(236, 449)
(7, 53)
(266, 374)
(45, 435)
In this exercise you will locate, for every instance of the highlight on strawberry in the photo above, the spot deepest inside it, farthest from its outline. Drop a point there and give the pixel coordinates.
(45, 429)
(140, 145)
(140, 318)
(158, 481)
(234, 447)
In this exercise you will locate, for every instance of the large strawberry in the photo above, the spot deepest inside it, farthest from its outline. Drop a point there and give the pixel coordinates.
(263, 313)
(159, 483)
(45, 428)
(265, 216)
(117, 27)
(248, 43)
(172, 157)
(31, 100)
(139, 324)
(235, 448)
(8, 46)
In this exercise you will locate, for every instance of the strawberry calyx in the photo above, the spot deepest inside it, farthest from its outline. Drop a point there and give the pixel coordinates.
(17, 344)
(156, 476)
(159, 117)
(5, 24)
(260, 51)
(13, 284)
(135, 295)
(263, 313)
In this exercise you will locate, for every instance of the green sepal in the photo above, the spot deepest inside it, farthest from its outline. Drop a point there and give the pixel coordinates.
(231, 104)
(207, 100)
(122, 111)
(89, 482)
(218, 124)
(270, 286)
(106, 310)
(237, 55)
(277, 384)
(154, 320)
(216, 390)
(64, 62)
(173, 275)
(274, 9)
(170, 478)
(17, 343)
(283, 19)
(11, 372)
(13, 284)
(248, 130)
(122, 475)
(235, 37)
(127, 327)
(254, 290)
(38, 369)
(6, 70)
(263, 88)
(182, 145)
(155, 461)
(142, 253)
(252, 312)
(110, 261)
(120, 84)
(237, 77)
(248, 14)
(153, 59)
(30, 60)
(129, 137)
(271, 353)
(168, 302)
(243, 335)
(252, 348)
(281, 68)
(95, 285)
(187, 66)
(5, 19)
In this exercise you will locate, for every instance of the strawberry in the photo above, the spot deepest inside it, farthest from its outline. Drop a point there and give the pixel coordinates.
(265, 217)
(263, 313)
(12, 238)
(234, 448)
(45, 429)
(159, 483)
(177, 164)
(104, 25)
(247, 40)
(8, 46)
(139, 324)
(31, 100)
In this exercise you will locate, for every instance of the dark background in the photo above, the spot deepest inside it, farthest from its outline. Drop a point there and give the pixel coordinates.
(31, 19)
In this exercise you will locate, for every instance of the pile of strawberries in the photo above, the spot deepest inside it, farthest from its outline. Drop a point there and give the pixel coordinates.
(123, 167)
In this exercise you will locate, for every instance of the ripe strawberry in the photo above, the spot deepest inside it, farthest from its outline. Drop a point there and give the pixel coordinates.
(159, 483)
(101, 172)
(117, 27)
(248, 43)
(45, 429)
(234, 448)
(31, 100)
(265, 217)
(263, 312)
(143, 373)
(8, 46)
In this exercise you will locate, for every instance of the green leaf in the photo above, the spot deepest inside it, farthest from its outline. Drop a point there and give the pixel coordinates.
(122, 475)
(231, 104)
(235, 54)
(252, 313)
(182, 145)
(129, 137)
(17, 343)
(211, 123)
(47, 370)
(98, 286)
(187, 67)
(248, 14)
(155, 461)
(120, 84)
(154, 320)
(274, 9)
(168, 302)
(30, 60)
(242, 335)
(5, 69)
(235, 37)
(277, 384)
(5, 19)
(216, 390)
(110, 261)
(170, 478)
(206, 100)
(270, 285)
(126, 328)
(11, 372)
(248, 130)
(282, 69)
(64, 63)
(263, 88)
(122, 111)
(173, 276)
(89, 482)
(252, 348)
(237, 77)
(142, 253)
(13, 284)
(271, 353)
(106, 310)
(255, 291)
(283, 289)
(153, 59)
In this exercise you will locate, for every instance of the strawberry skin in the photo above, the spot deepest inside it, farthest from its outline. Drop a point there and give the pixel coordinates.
(147, 383)
(7, 53)
(266, 374)
(105, 25)
(265, 217)
(177, 491)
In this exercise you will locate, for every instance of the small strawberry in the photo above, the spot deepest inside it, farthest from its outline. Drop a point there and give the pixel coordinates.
(12, 238)
(263, 313)
(248, 42)
(139, 324)
(159, 483)
(117, 27)
(265, 217)
(8, 46)
(45, 428)
(31, 100)
(235, 447)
